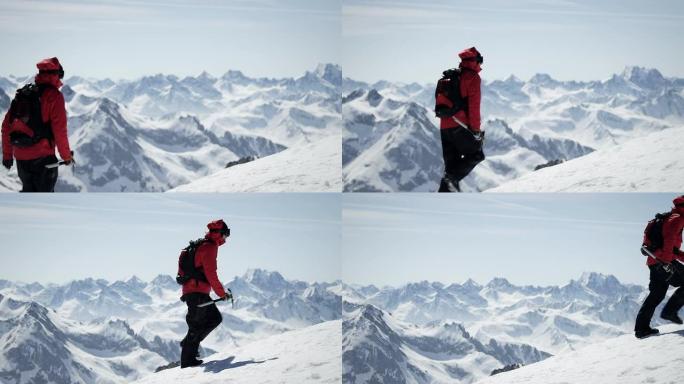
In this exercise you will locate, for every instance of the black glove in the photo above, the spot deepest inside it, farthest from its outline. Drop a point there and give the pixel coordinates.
(71, 161)
(229, 294)
(479, 138)
(7, 163)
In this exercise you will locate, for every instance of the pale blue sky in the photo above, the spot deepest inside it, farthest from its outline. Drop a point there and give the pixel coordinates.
(414, 40)
(131, 38)
(537, 239)
(61, 237)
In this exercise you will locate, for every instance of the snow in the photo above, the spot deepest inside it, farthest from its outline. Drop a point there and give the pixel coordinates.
(309, 355)
(651, 163)
(9, 181)
(313, 167)
(623, 359)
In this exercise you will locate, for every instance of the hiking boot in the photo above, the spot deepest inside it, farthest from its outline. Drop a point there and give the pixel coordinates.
(644, 333)
(671, 317)
(191, 363)
(182, 344)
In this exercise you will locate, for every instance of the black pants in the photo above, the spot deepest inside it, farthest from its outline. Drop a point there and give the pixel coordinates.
(461, 154)
(35, 177)
(657, 288)
(201, 321)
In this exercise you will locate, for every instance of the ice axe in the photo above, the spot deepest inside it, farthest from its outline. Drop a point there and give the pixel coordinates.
(61, 162)
(55, 165)
(208, 303)
(667, 267)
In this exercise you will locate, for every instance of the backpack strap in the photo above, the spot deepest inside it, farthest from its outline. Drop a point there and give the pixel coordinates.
(449, 86)
(196, 273)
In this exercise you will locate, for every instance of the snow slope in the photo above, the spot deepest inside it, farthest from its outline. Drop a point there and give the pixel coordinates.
(312, 167)
(9, 181)
(623, 359)
(652, 163)
(309, 355)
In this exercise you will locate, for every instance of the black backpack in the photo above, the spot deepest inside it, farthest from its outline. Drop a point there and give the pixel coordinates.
(26, 107)
(186, 264)
(450, 86)
(653, 234)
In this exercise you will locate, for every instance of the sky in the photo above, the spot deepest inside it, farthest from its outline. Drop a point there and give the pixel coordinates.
(61, 237)
(535, 239)
(415, 40)
(126, 39)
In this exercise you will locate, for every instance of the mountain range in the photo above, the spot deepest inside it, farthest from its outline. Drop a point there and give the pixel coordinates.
(391, 137)
(429, 332)
(92, 330)
(158, 132)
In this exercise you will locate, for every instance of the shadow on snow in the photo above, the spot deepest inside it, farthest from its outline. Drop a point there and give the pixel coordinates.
(229, 363)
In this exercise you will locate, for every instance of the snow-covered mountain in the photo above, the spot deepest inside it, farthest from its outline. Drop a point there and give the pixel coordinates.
(145, 320)
(430, 332)
(643, 164)
(159, 132)
(39, 346)
(378, 348)
(553, 319)
(391, 137)
(308, 355)
(623, 359)
(314, 167)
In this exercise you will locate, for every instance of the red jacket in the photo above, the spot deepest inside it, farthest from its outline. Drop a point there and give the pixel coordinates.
(672, 238)
(205, 259)
(470, 88)
(54, 111)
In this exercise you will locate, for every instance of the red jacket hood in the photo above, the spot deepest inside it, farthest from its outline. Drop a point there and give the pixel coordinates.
(216, 238)
(47, 78)
(472, 65)
(678, 205)
(51, 64)
(466, 56)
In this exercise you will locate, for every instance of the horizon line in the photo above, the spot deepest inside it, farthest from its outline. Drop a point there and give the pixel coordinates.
(177, 75)
(129, 277)
(512, 75)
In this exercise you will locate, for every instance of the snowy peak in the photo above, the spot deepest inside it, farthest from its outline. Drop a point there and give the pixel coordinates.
(325, 78)
(164, 281)
(135, 283)
(235, 76)
(265, 279)
(543, 79)
(499, 283)
(332, 73)
(647, 78)
(599, 282)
